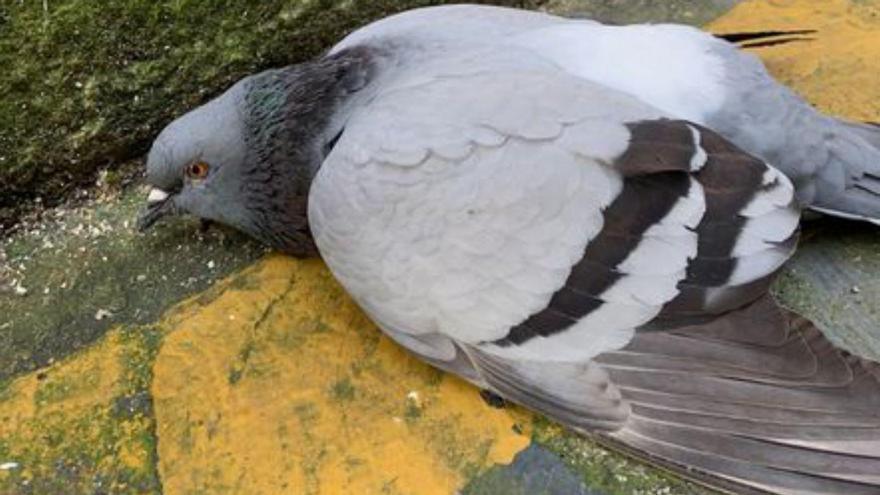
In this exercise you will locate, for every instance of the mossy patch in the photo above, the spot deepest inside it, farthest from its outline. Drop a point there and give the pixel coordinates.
(87, 84)
(343, 390)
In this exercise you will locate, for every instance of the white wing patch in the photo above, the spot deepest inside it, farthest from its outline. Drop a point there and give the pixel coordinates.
(667, 66)
(667, 246)
(778, 193)
(700, 156)
(771, 219)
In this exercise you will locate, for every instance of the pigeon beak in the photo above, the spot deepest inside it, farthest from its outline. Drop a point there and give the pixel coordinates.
(156, 196)
(159, 204)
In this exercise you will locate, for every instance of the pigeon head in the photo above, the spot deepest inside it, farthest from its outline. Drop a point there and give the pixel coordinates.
(197, 161)
(247, 158)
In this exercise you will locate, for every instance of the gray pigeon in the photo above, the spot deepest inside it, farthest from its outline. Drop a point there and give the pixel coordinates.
(579, 218)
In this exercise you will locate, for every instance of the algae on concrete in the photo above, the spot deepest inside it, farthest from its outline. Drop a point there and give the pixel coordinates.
(534, 471)
(833, 281)
(71, 277)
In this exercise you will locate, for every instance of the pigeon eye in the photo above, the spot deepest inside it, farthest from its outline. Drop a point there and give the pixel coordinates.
(197, 170)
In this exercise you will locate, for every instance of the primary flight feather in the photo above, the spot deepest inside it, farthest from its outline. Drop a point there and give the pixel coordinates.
(583, 219)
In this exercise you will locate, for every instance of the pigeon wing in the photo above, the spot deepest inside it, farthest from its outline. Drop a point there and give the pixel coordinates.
(574, 250)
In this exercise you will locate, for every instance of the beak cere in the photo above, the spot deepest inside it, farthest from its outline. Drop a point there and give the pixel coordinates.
(159, 204)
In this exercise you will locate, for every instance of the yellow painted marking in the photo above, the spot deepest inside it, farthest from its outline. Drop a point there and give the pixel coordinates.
(71, 386)
(839, 71)
(282, 385)
(66, 413)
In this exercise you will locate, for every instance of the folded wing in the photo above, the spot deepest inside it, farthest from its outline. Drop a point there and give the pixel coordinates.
(579, 253)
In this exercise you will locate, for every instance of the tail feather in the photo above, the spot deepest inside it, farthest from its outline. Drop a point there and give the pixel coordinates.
(844, 214)
(848, 186)
(869, 131)
(869, 184)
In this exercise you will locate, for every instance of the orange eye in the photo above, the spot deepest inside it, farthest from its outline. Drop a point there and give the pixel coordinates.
(197, 170)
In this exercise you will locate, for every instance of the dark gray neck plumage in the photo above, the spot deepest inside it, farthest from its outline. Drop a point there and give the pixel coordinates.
(292, 118)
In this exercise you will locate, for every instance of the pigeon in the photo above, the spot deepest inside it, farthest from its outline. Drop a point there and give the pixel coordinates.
(581, 219)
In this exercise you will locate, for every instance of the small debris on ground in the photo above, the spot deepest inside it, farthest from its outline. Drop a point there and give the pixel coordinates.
(101, 314)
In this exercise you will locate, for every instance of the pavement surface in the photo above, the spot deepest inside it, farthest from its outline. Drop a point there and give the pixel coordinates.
(189, 361)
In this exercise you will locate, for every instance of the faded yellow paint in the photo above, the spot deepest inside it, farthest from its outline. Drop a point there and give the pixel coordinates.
(279, 384)
(65, 419)
(68, 387)
(839, 69)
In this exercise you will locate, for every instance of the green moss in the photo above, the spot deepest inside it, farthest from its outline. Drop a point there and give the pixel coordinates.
(795, 291)
(87, 84)
(288, 338)
(343, 390)
(306, 412)
(141, 344)
(412, 413)
(5, 393)
(607, 471)
(56, 390)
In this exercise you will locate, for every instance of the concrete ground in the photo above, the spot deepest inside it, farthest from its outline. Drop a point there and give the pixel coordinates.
(697, 12)
(186, 361)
